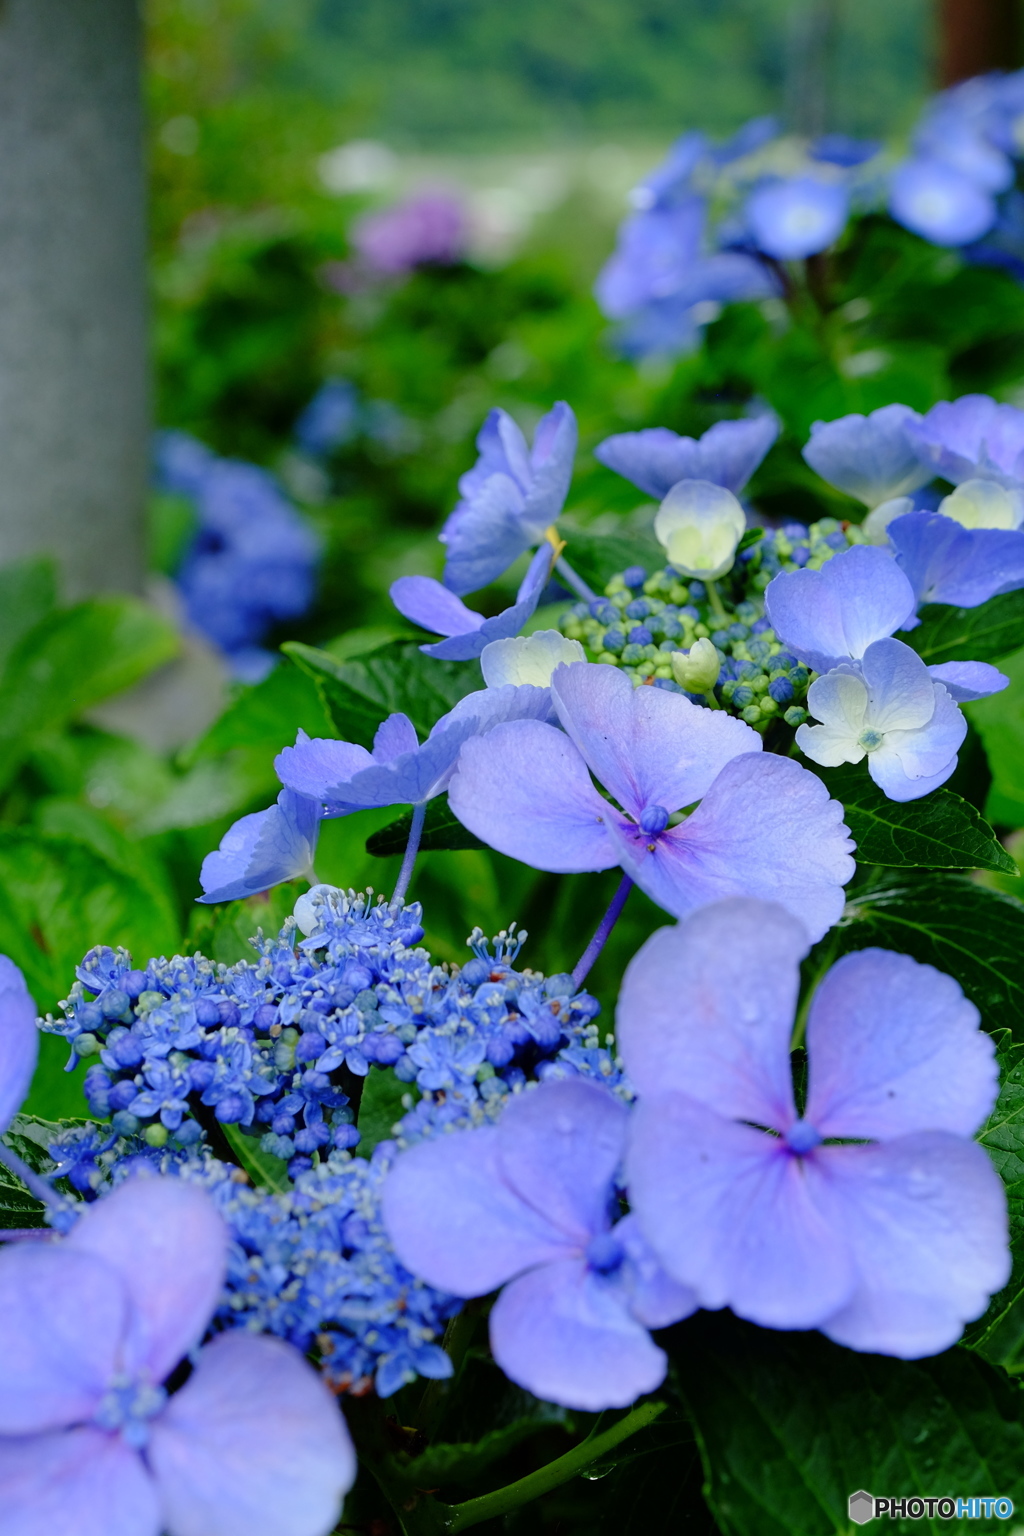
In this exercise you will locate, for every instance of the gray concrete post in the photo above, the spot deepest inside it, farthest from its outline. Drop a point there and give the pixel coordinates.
(73, 365)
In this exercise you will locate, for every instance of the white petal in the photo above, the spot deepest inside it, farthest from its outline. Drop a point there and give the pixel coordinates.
(528, 658)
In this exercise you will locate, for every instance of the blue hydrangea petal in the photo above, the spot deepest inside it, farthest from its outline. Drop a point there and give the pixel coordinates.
(456, 1222)
(966, 681)
(485, 536)
(645, 745)
(253, 1441)
(263, 849)
(796, 218)
(431, 605)
(718, 1032)
(525, 790)
(315, 765)
(652, 1296)
(937, 201)
(19, 1040)
(973, 435)
(466, 647)
(869, 457)
(946, 563)
(656, 458)
(925, 1219)
(167, 1243)
(834, 614)
(733, 1214)
(393, 736)
(567, 1338)
(894, 1046)
(82, 1480)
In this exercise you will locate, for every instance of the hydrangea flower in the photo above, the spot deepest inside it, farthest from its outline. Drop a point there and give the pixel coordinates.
(263, 849)
(329, 420)
(939, 202)
(528, 1205)
(699, 526)
(984, 504)
(873, 1215)
(948, 563)
(344, 777)
(430, 226)
(870, 457)
(891, 710)
(90, 1441)
(800, 217)
(830, 616)
(19, 1040)
(764, 824)
(971, 437)
(528, 660)
(656, 459)
(433, 606)
(510, 497)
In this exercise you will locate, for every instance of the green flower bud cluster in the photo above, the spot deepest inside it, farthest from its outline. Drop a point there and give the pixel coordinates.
(642, 622)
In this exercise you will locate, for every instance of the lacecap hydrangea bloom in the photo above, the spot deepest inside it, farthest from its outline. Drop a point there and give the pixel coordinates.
(91, 1440)
(870, 1213)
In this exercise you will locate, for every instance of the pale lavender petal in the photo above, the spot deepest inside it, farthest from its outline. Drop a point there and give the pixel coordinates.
(263, 849)
(960, 437)
(559, 1149)
(966, 681)
(566, 1337)
(314, 766)
(413, 777)
(911, 763)
(887, 770)
(869, 457)
(484, 536)
(427, 603)
(168, 1243)
(75, 1482)
(656, 459)
(925, 1219)
(652, 1296)
(19, 1040)
(551, 464)
(946, 563)
(524, 789)
(902, 694)
(489, 707)
(503, 451)
(834, 614)
(395, 735)
(732, 1213)
(457, 1223)
(54, 1370)
(706, 1009)
(466, 647)
(894, 1046)
(766, 828)
(254, 1444)
(646, 746)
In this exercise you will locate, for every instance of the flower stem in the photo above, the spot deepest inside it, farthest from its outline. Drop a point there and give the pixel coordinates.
(571, 579)
(715, 604)
(604, 928)
(411, 849)
(458, 1517)
(36, 1185)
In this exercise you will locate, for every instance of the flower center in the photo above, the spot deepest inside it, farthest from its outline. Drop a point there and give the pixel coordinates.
(605, 1253)
(653, 819)
(128, 1406)
(870, 739)
(802, 1137)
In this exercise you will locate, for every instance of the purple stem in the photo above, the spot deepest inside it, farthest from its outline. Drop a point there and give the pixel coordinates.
(411, 850)
(604, 928)
(574, 581)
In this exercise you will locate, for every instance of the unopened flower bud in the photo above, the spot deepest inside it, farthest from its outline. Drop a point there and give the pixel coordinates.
(984, 504)
(696, 671)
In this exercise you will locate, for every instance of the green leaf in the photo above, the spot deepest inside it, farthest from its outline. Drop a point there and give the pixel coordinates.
(31, 1136)
(465, 1462)
(790, 1425)
(71, 661)
(360, 693)
(380, 1107)
(941, 831)
(599, 557)
(18, 1209)
(974, 934)
(225, 930)
(265, 1170)
(999, 722)
(28, 594)
(999, 1333)
(950, 634)
(442, 830)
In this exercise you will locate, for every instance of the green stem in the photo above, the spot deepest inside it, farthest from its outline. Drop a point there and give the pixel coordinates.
(710, 700)
(457, 1338)
(715, 604)
(459, 1517)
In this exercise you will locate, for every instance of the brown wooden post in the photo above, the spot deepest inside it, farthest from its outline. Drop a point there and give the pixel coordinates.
(976, 36)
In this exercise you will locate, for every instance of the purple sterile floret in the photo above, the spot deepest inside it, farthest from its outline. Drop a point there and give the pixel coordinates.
(793, 219)
(252, 1438)
(939, 202)
(263, 849)
(972, 437)
(832, 615)
(528, 1204)
(947, 563)
(657, 458)
(870, 457)
(434, 606)
(19, 1040)
(764, 826)
(889, 1243)
(509, 498)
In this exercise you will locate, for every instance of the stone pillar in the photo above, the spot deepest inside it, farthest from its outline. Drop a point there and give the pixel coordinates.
(73, 365)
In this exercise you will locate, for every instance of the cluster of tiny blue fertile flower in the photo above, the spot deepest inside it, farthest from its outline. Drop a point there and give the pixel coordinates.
(714, 223)
(252, 560)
